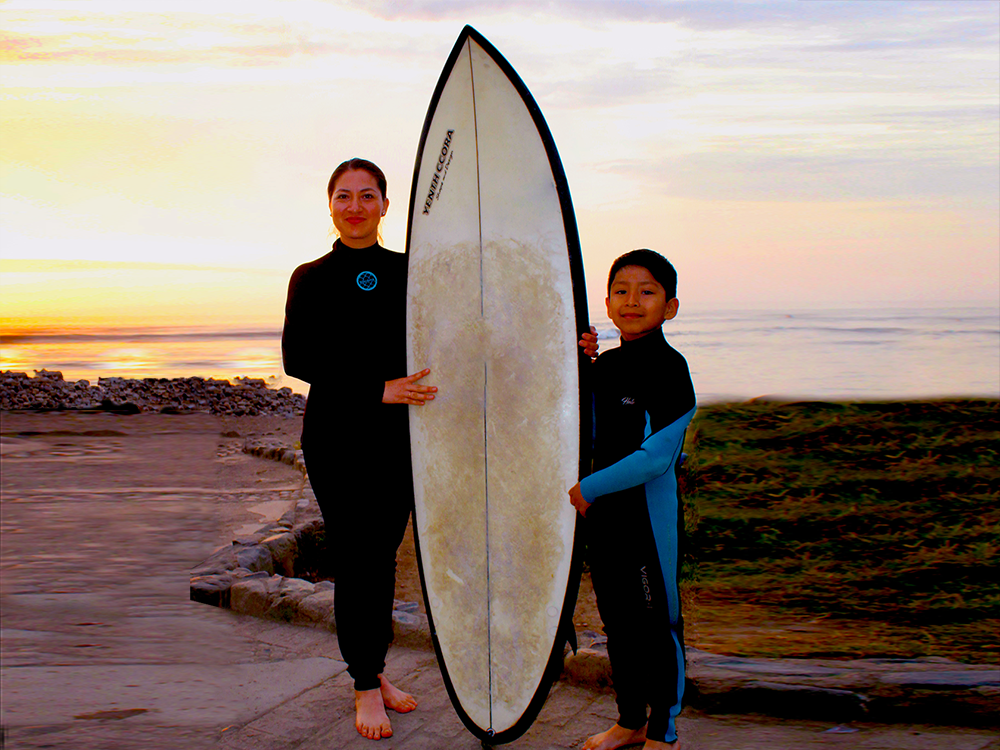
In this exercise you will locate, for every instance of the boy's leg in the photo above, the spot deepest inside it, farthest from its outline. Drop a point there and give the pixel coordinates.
(665, 685)
(646, 653)
(616, 575)
(646, 649)
(666, 676)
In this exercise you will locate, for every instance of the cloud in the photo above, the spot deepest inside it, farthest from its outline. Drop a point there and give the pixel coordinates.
(748, 176)
(264, 47)
(56, 265)
(613, 85)
(703, 15)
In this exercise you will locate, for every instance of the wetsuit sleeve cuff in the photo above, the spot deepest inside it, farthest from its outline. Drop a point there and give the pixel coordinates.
(588, 490)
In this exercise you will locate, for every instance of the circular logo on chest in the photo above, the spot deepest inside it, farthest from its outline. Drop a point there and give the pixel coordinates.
(367, 280)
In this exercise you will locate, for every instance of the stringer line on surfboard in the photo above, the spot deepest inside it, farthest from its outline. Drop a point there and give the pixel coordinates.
(486, 376)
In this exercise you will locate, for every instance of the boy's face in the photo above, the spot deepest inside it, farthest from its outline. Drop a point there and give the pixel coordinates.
(638, 303)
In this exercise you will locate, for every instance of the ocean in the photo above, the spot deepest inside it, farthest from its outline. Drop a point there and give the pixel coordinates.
(853, 354)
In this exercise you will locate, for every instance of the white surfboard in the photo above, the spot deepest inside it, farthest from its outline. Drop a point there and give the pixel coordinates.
(495, 306)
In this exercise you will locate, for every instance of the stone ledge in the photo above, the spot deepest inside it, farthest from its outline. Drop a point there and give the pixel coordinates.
(255, 576)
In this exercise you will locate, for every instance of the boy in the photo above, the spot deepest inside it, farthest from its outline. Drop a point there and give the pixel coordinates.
(643, 401)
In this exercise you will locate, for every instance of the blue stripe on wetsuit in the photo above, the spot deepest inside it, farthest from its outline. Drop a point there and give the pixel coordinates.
(653, 465)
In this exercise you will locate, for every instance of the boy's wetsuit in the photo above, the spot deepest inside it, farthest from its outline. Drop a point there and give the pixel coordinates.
(643, 399)
(344, 334)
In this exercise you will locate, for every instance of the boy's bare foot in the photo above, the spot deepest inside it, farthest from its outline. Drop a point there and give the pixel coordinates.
(371, 720)
(654, 745)
(395, 698)
(615, 737)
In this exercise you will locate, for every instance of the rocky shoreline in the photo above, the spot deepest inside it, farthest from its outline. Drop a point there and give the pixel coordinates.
(48, 391)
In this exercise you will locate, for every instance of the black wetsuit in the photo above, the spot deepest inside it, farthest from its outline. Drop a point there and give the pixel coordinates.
(344, 334)
(643, 400)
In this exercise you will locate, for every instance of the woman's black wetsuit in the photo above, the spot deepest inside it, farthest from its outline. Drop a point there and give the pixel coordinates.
(344, 334)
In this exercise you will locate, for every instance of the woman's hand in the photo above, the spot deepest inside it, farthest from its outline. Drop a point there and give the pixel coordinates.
(577, 499)
(406, 391)
(589, 342)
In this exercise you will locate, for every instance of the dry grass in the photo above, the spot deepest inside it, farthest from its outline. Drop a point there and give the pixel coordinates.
(878, 522)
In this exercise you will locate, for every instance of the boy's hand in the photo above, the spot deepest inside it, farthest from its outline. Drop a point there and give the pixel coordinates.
(406, 391)
(589, 342)
(577, 499)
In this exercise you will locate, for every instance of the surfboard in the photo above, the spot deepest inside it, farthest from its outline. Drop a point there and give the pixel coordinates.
(495, 305)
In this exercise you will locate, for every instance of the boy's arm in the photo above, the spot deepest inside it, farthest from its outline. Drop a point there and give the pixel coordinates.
(657, 455)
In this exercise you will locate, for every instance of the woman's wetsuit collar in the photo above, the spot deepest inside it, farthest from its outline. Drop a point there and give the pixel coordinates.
(337, 244)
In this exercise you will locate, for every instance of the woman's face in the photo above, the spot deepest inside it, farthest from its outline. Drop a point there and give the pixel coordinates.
(357, 207)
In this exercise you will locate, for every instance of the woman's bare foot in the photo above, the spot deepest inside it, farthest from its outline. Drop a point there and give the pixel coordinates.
(395, 698)
(615, 737)
(654, 745)
(371, 720)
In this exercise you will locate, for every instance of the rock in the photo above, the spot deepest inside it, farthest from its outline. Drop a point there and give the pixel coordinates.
(946, 680)
(318, 607)
(411, 629)
(589, 668)
(283, 549)
(222, 561)
(242, 574)
(289, 594)
(212, 589)
(250, 597)
(295, 588)
(792, 701)
(254, 558)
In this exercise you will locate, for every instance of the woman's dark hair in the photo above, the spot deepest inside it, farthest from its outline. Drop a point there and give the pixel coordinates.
(356, 163)
(659, 268)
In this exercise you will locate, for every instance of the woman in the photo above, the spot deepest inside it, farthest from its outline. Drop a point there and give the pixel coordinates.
(344, 334)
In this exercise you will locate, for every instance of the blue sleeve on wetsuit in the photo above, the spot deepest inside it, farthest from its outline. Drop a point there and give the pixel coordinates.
(654, 458)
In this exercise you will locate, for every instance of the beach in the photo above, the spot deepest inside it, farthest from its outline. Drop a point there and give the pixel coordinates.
(108, 505)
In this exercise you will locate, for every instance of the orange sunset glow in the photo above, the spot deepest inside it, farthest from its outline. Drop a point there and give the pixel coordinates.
(168, 167)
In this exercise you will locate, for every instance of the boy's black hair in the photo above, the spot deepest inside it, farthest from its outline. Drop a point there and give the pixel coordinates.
(659, 268)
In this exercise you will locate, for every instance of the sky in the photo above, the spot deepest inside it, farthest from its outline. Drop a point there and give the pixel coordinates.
(166, 162)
